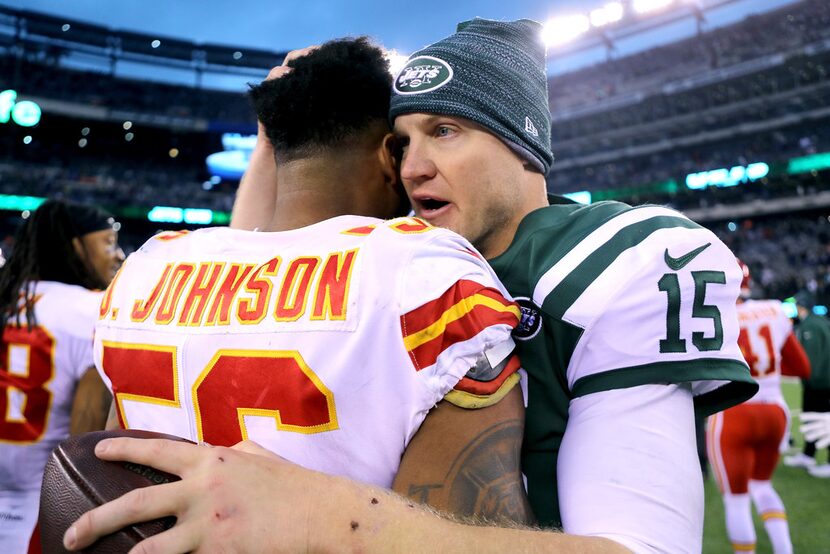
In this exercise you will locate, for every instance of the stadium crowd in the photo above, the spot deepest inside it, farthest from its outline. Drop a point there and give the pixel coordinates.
(785, 254)
(38, 74)
(666, 133)
(667, 161)
(777, 31)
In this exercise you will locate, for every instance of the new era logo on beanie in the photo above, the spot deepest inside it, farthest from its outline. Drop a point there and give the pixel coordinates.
(490, 72)
(530, 127)
(422, 74)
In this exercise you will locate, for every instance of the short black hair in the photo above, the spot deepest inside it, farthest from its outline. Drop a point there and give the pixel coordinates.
(332, 96)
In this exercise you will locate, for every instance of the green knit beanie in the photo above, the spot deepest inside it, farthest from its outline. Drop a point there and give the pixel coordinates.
(490, 72)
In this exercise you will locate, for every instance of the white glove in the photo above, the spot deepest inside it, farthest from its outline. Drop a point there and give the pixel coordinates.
(815, 426)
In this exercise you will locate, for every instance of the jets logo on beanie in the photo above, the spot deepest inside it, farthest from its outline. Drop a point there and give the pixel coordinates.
(490, 72)
(423, 74)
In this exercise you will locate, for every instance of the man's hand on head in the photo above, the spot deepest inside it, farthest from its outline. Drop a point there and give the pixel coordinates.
(283, 68)
(280, 71)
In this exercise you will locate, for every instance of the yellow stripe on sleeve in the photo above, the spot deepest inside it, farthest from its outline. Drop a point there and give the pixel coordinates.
(472, 401)
(454, 313)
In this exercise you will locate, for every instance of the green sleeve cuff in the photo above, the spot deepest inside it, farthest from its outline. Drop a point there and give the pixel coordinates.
(740, 385)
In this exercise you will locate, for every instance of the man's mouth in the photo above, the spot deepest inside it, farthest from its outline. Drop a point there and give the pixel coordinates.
(432, 205)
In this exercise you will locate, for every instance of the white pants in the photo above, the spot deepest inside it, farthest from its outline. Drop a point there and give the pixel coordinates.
(18, 515)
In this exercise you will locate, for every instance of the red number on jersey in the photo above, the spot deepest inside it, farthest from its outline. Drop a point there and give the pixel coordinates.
(756, 366)
(411, 225)
(141, 372)
(276, 384)
(27, 364)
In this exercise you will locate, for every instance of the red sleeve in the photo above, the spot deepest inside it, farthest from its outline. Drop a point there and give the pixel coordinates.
(794, 361)
(460, 314)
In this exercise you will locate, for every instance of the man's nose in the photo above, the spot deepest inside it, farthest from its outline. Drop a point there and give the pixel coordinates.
(417, 165)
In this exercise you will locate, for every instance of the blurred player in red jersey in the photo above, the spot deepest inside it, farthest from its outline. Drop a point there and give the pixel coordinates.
(744, 442)
(48, 384)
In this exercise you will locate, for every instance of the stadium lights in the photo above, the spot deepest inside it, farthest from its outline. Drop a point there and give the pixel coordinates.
(806, 164)
(14, 202)
(564, 29)
(221, 218)
(166, 214)
(193, 216)
(25, 113)
(198, 216)
(160, 214)
(723, 177)
(609, 13)
(396, 61)
(791, 310)
(583, 196)
(645, 6)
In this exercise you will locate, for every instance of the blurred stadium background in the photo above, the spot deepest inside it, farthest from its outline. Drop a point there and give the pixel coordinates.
(730, 126)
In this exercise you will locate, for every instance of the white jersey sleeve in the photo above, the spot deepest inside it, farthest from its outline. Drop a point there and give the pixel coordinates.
(663, 311)
(456, 320)
(660, 469)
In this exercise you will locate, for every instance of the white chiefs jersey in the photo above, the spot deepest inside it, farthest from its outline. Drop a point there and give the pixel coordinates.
(764, 330)
(40, 370)
(327, 344)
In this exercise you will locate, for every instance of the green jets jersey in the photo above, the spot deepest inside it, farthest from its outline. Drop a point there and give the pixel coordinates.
(814, 334)
(614, 297)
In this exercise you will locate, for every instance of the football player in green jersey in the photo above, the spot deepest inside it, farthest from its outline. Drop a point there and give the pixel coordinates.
(630, 318)
(629, 326)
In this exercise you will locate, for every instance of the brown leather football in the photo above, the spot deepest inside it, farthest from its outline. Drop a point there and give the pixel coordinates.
(75, 481)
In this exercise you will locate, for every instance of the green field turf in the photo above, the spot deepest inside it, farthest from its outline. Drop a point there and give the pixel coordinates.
(806, 498)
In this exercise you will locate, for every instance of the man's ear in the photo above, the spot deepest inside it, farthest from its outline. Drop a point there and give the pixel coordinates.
(80, 250)
(388, 161)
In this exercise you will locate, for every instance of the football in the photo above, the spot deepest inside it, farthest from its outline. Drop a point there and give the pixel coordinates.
(75, 481)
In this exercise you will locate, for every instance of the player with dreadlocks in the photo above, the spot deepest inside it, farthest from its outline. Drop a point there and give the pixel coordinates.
(48, 384)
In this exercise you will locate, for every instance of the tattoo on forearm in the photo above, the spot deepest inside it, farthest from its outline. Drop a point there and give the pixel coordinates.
(421, 492)
(485, 480)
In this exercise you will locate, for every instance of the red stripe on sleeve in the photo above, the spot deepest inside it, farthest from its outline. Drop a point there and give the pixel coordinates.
(427, 314)
(486, 388)
(465, 328)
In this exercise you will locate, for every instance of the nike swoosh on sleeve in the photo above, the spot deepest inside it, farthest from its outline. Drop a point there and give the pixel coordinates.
(681, 261)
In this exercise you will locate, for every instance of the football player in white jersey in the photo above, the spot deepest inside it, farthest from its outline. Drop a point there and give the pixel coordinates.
(329, 336)
(628, 328)
(48, 384)
(744, 441)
